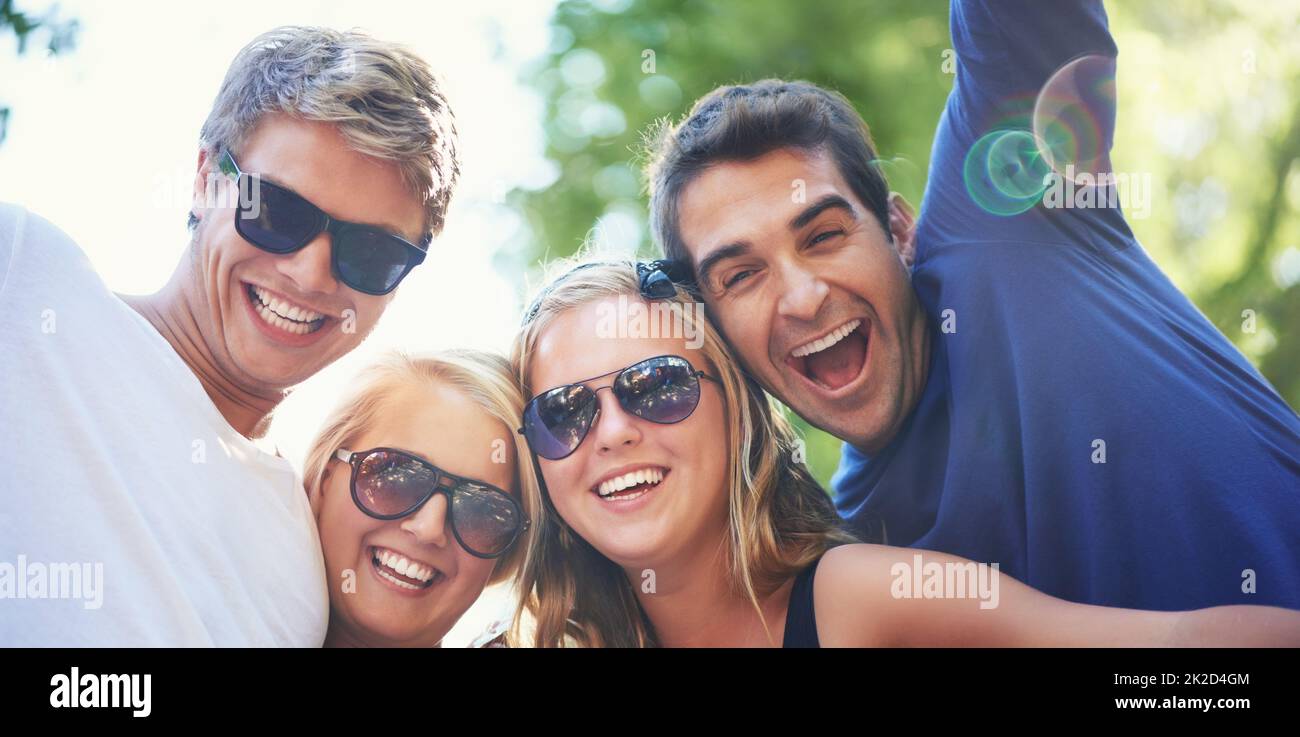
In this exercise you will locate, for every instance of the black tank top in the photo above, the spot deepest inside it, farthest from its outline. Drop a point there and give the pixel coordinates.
(800, 619)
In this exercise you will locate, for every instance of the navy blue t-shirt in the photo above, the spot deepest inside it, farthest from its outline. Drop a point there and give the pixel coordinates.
(1068, 343)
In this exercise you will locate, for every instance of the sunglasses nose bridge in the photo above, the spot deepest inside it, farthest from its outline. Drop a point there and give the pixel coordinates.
(311, 268)
(429, 522)
(620, 431)
(599, 409)
(331, 226)
(617, 399)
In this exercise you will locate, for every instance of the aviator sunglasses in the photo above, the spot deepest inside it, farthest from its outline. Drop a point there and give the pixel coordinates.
(663, 390)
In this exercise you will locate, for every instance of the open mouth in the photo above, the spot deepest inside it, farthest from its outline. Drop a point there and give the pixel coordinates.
(836, 359)
(280, 313)
(397, 569)
(630, 485)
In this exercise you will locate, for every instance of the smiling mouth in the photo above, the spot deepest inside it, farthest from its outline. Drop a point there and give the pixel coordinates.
(630, 485)
(834, 360)
(402, 571)
(283, 314)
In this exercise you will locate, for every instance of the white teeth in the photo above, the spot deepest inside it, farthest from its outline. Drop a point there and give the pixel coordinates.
(271, 318)
(821, 344)
(402, 565)
(632, 478)
(285, 315)
(389, 577)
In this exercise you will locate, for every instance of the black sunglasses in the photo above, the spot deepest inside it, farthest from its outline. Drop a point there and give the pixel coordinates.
(274, 219)
(388, 484)
(663, 389)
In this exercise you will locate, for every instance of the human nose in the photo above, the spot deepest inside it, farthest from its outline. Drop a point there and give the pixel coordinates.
(310, 268)
(613, 427)
(429, 523)
(803, 295)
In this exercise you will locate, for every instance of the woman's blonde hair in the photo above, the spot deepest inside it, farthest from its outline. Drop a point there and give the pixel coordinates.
(484, 378)
(779, 519)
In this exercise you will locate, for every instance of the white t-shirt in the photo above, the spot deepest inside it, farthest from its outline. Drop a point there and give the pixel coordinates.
(131, 512)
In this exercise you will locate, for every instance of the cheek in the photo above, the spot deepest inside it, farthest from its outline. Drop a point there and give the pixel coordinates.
(226, 260)
(711, 440)
(871, 272)
(745, 330)
(562, 484)
(699, 442)
(342, 527)
(475, 571)
(362, 316)
(557, 484)
(223, 248)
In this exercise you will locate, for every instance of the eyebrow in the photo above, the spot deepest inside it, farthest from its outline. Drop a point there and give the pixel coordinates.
(828, 202)
(740, 248)
(707, 263)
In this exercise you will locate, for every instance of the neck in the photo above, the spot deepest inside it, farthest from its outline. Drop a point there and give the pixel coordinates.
(174, 315)
(339, 635)
(692, 605)
(921, 356)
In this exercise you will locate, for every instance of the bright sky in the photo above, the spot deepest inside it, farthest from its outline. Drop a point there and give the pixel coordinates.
(102, 141)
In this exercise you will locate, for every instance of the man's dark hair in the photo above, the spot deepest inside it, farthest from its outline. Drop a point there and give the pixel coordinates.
(742, 122)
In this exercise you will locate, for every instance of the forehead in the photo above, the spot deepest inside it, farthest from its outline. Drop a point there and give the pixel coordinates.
(314, 160)
(443, 426)
(604, 336)
(735, 201)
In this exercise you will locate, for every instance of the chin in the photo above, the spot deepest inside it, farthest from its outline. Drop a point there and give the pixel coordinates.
(625, 558)
(869, 436)
(268, 368)
(378, 625)
(641, 554)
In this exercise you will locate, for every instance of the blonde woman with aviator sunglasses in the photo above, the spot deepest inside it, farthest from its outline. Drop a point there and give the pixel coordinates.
(674, 514)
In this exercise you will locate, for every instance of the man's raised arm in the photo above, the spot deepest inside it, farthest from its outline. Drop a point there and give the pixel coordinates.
(1005, 52)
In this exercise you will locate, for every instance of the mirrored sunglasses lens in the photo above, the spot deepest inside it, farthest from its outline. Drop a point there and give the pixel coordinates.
(556, 422)
(663, 390)
(389, 484)
(486, 519)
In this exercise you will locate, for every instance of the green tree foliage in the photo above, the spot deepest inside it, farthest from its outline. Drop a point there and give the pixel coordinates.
(59, 35)
(1208, 107)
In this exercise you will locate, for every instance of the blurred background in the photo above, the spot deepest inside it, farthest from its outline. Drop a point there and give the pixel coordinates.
(101, 103)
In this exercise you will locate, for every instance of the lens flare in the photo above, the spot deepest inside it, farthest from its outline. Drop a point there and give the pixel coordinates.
(1004, 172)
(1074, 116)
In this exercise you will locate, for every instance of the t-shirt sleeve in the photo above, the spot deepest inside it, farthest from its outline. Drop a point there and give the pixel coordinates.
(1009, 48)
(11, 228)
(1005, 53)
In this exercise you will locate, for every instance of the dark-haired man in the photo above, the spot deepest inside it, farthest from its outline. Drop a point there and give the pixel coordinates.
(1015, 383)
